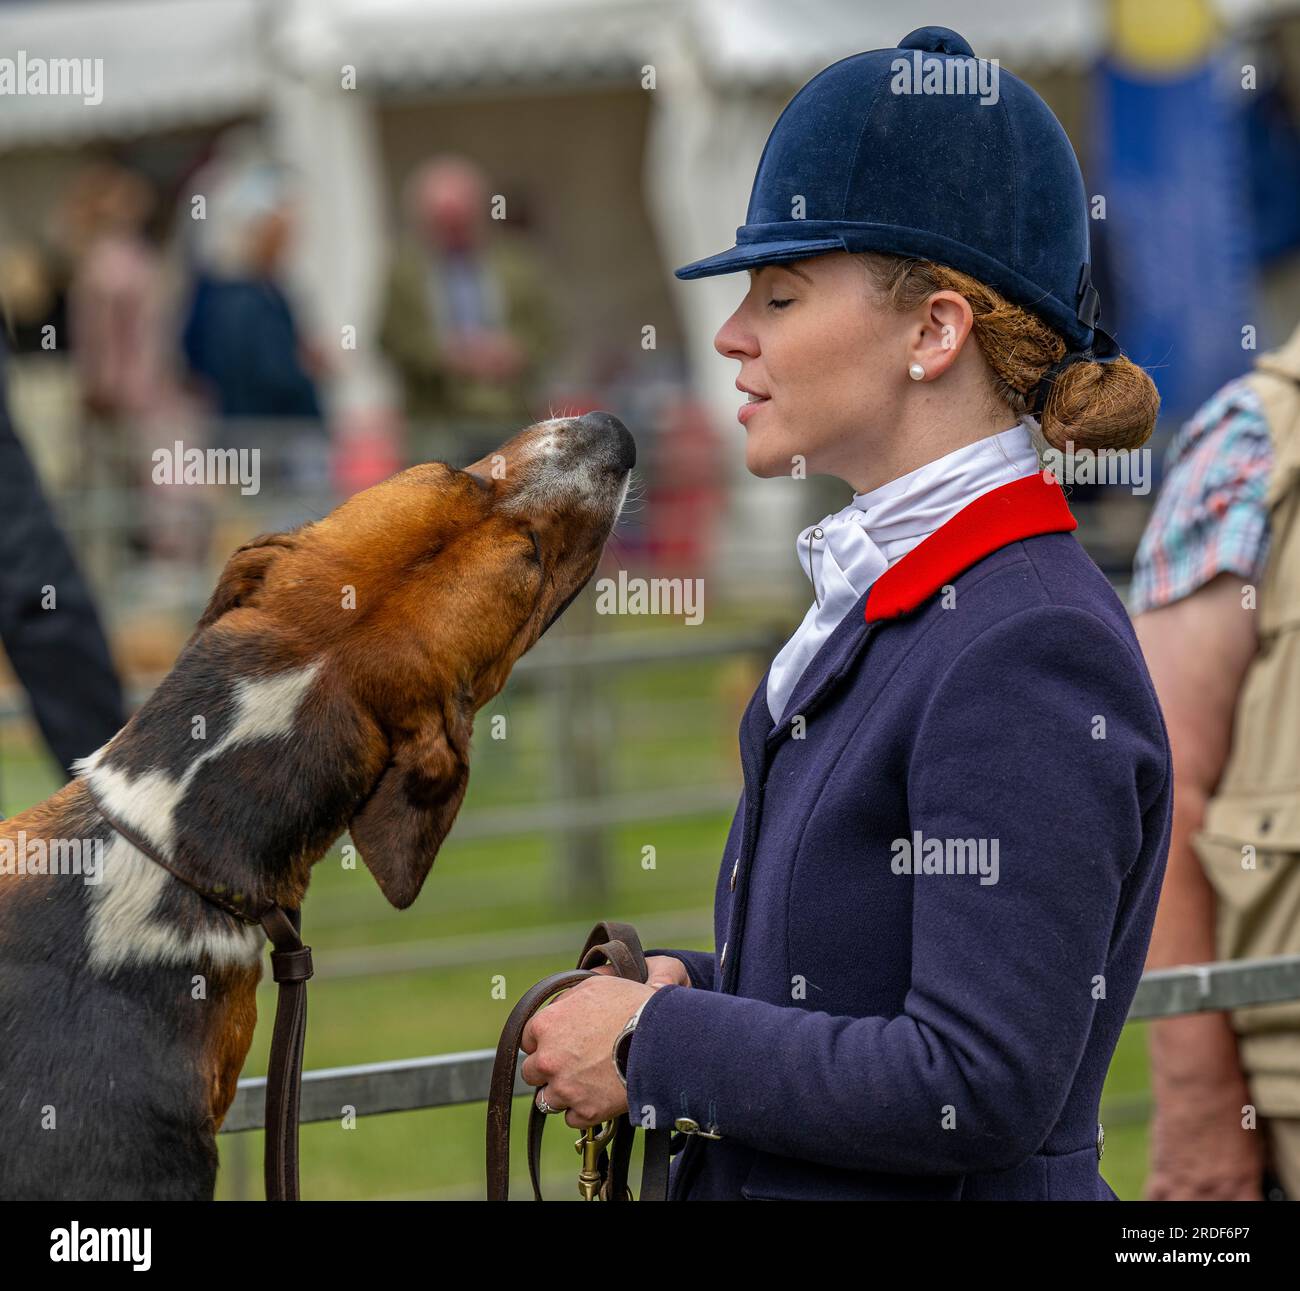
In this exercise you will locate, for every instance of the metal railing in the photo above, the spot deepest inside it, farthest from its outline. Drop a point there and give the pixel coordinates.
(452, 1079)
(580, 806)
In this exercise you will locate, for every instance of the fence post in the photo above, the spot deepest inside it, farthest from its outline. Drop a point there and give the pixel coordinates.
(579, 772)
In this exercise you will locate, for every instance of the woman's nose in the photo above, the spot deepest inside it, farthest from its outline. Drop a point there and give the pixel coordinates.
(734, 340)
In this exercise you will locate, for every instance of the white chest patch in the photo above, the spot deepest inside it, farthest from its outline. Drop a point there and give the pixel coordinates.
(124, 928)
(124, 931)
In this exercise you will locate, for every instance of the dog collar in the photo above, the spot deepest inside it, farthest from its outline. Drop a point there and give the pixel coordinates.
(291, 967)
(230, 906)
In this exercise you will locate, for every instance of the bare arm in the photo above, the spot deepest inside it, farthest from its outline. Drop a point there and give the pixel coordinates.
(1198, 650)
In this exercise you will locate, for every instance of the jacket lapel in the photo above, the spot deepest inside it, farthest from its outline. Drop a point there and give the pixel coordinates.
(1025, 507)
(836, 656)
(1028, 506)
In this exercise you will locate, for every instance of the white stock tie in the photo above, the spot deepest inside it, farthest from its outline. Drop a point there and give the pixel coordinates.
(844, 553)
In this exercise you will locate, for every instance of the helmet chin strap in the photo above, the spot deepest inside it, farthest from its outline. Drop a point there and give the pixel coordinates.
(1102, 350)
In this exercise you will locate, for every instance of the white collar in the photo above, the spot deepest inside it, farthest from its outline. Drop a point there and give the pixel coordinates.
(901, 513)
(846, 552)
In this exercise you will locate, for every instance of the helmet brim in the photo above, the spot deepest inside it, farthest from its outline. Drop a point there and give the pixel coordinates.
(753, 254)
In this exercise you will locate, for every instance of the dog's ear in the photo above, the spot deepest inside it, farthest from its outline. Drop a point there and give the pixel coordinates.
(400, 827)
(244, 574)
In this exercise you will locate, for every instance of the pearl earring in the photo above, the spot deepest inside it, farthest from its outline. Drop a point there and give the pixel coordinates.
(916, 372)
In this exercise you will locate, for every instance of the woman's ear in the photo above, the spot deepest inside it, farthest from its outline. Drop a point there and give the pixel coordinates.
(945, 327)
(400, 827)
(244, 574)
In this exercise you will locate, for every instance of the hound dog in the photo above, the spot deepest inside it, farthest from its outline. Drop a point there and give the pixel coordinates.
(330, 685)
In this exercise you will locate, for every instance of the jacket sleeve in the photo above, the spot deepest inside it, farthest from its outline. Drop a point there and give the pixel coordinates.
(59, 653)
(699, 965)
(1006, 977)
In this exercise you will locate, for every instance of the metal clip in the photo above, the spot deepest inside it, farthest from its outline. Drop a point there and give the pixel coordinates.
(819, 533)
(591, 1148)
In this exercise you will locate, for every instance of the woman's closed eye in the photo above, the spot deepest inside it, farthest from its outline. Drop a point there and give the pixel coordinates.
(780, 304)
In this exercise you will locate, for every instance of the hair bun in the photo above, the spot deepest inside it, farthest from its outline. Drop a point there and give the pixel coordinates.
(1099, 406)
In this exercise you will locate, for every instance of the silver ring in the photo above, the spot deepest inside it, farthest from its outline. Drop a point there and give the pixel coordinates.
(544, 1107)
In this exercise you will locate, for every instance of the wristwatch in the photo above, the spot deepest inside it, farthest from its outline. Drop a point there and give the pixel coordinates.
(623, 1042)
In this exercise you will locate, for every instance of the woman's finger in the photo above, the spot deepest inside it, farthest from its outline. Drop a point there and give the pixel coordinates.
(548, 1102)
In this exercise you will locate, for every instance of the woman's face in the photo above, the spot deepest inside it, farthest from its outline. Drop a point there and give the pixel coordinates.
(270, 238)
(826, 360)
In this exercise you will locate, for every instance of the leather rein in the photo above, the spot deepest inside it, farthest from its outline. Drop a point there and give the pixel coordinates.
(291, 967)
(606, 1151)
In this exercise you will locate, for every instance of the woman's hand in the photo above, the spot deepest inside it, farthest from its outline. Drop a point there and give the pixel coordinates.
(570, 1048)
(665, 970)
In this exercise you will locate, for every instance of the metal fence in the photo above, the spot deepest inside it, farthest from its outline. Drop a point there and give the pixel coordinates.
(447, 1080)
(580, 807)
(577, 813)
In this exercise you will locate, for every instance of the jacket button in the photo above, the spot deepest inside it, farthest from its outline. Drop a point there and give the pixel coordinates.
(735, 869)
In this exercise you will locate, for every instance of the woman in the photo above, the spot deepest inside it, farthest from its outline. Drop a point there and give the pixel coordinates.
(241, 339)
(936, 896)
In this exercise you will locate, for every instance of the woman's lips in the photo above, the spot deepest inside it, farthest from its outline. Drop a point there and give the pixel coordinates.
(747, 410)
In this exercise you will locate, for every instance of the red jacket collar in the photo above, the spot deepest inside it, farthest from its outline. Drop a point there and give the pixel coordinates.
(1025, 507)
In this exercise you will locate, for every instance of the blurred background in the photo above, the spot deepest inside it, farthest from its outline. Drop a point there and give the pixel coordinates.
(357, 234)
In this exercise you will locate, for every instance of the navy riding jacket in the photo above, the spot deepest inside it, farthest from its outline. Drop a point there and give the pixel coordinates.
(936, 896)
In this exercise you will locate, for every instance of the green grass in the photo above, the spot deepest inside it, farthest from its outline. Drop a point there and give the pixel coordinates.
(669, 726)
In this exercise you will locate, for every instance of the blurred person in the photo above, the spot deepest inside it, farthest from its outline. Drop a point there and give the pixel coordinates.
(122, 335)
(42, 385)
(935, 900)
(685, 499)
(116, 309)
(465, 317)
(48, 621)
(1216, 599)
(34, 298)
(241, 339)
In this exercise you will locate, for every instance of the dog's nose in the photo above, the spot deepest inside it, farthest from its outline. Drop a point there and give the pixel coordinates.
(605, 423)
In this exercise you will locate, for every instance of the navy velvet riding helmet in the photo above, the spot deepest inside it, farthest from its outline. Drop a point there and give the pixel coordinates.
(926, 151)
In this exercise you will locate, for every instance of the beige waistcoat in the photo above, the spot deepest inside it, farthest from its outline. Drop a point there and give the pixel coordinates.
(1249, 844)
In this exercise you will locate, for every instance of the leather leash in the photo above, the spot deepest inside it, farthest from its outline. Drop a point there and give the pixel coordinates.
(291, 967)
(610, 1149)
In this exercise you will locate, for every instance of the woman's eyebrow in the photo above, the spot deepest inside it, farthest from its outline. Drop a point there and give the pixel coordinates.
(789, 268)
